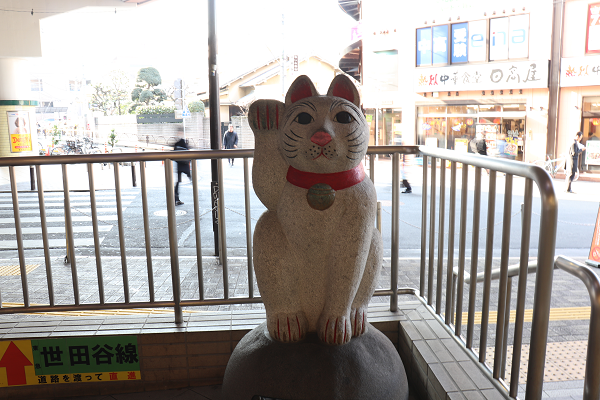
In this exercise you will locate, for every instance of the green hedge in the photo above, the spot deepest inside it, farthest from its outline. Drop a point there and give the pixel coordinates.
(155, 109)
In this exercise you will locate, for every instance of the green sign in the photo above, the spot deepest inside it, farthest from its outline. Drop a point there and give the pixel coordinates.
(85, 355)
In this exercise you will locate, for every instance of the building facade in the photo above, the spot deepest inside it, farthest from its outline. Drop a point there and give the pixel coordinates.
(444, 72)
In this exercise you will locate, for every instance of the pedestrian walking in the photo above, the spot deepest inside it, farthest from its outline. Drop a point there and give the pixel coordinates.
(183, 166)
(571, 164)
(407, 187)
(479, 146)
(230, 141)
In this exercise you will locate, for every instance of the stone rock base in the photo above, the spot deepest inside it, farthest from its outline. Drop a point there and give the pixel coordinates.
(368, 367)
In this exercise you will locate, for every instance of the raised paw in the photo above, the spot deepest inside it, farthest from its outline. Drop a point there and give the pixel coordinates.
(288, 328)
(335, 330)
(358, 320)
(265, 115)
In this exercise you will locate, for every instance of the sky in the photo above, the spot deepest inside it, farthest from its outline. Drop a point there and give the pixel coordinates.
(172, 36)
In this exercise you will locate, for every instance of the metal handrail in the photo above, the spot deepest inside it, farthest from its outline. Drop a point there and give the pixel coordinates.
(591, 386)
(430, 274)
(547, 240)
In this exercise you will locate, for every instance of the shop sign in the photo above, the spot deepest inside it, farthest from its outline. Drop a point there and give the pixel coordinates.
(69, 360)
(592, 152)
(499, 39)
(519, 36)
(511, 148)
(509, 37)
(460, 33)
(592, 42)
(19, 131)
(440, 44)
(580, 71)
(517, 75)
(468, 41)
(423, 46)
(477, 44)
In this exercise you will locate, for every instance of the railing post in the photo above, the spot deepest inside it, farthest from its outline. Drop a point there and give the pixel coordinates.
(172, 223)
(395, 230)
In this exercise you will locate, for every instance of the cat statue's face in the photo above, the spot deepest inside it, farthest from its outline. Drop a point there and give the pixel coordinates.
(323, 134)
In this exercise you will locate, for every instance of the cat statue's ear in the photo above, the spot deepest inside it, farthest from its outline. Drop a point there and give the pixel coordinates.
(301, 88)
(342, 86)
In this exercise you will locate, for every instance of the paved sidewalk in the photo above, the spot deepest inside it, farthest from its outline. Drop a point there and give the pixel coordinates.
(567, 334)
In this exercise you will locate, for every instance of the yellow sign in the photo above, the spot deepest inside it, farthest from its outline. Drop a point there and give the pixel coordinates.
(68, 360)
(19, 130)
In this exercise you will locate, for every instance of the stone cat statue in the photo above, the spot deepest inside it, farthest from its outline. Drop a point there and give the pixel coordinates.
(317, 254)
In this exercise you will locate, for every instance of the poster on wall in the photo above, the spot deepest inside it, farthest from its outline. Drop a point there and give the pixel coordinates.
(19, 131)
(592, 152)
(592, 42)
(512, 146)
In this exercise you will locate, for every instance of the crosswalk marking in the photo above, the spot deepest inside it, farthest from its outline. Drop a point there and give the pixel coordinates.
(74, 218)
(61, 204)
(52, 243)
(54, 229)
(5, 213)
(54, 207)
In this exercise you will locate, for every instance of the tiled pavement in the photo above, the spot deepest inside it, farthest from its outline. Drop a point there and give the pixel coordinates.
(567, 332)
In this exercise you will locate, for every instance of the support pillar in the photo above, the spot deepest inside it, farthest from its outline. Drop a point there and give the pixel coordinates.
(18, 129)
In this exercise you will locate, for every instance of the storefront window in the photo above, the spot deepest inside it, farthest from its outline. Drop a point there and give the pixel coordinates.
(432, 131)
(489, 120)
(502, 125)
(511, 140)
(457, 110)
(486, 108)
(432, 110)
(514, 107)
(591, 104)
(461, 131)
(392, 134)
(370, 117)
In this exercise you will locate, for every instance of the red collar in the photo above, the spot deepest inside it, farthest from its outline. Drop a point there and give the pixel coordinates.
(337, 180)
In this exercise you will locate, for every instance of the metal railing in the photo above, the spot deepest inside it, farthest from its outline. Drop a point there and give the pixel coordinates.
(434, 275)
(433, 218)
(591, 385)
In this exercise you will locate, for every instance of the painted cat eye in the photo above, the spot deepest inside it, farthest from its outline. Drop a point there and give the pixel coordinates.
(304, 118)
(343, 117)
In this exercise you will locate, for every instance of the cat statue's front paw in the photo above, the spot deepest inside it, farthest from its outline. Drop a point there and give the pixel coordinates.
(288, 328)
(335, 330)
(358, 320)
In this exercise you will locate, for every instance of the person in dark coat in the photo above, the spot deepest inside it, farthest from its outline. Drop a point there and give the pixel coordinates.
(479, 146)
(183, 166)
(230, 141)
(405, 183)
(572, 160)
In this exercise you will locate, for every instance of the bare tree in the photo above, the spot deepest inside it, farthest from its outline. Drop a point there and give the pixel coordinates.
(111, 93)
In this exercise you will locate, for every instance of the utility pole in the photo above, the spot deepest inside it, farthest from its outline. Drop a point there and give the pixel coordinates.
(558, 13)
(215, 117)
